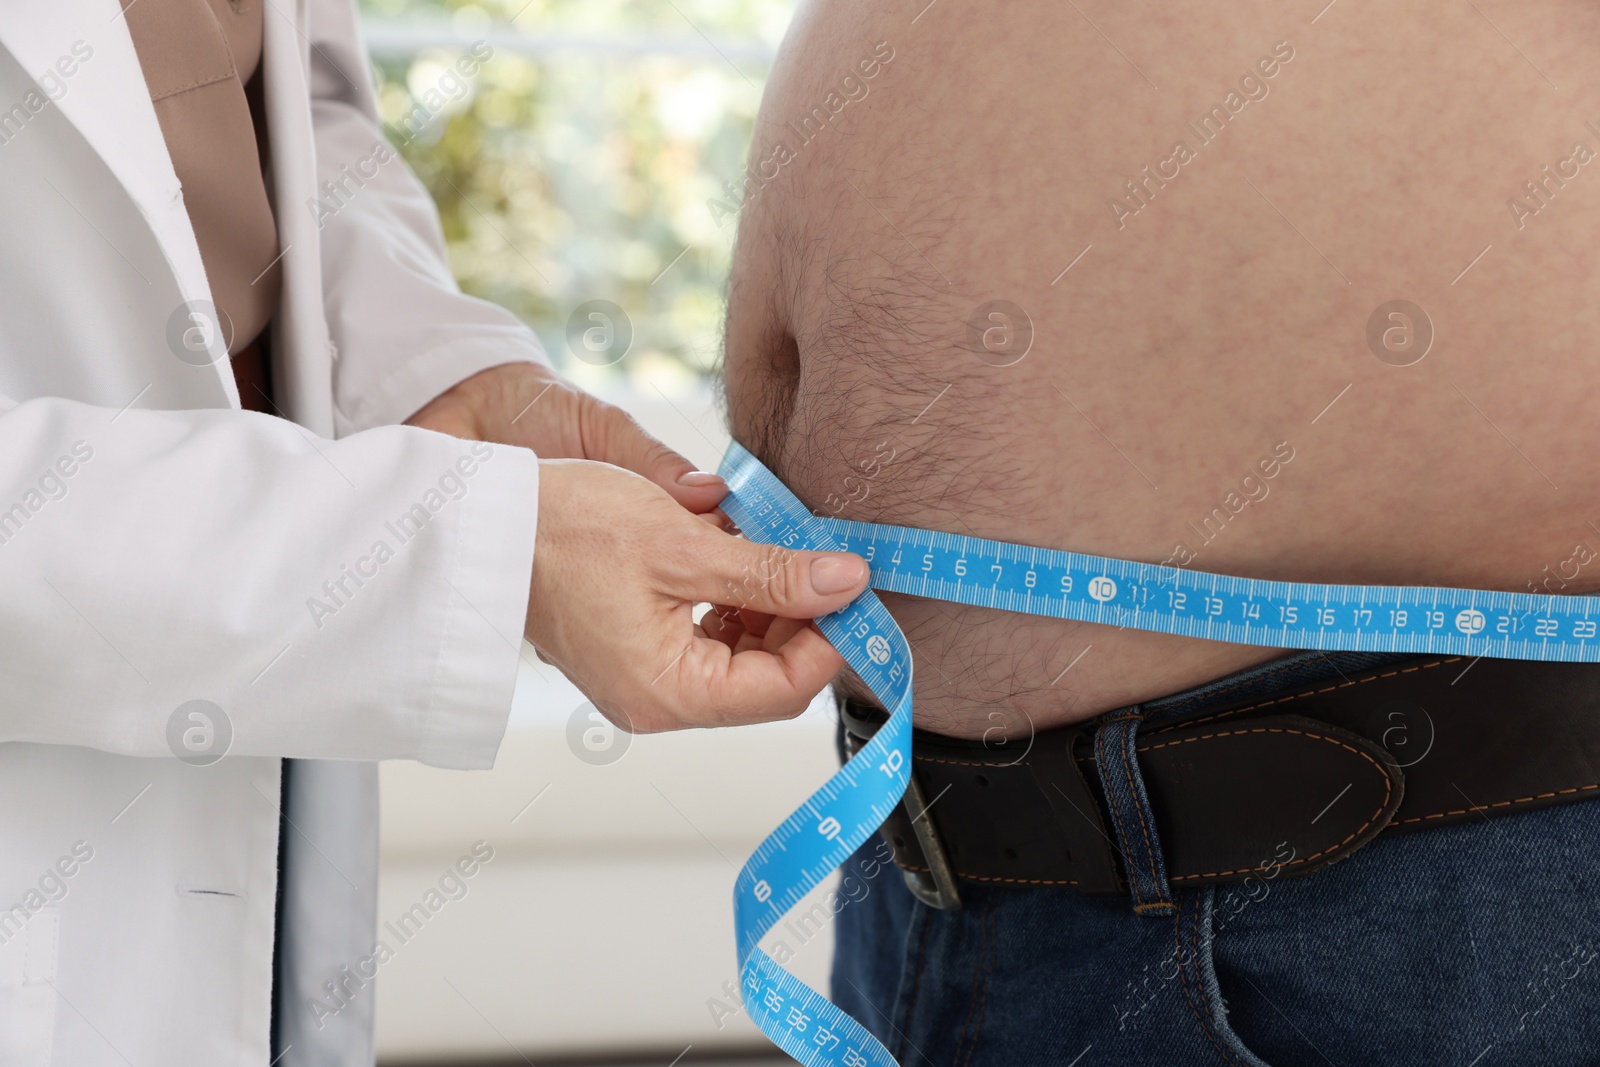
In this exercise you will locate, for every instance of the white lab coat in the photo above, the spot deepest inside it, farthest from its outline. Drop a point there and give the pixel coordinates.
(170, 547)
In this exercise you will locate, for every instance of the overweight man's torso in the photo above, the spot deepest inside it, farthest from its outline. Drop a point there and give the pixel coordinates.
(1124, 281)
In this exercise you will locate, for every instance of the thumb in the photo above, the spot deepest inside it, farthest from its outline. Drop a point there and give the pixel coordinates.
(776, 580)
(613, 436)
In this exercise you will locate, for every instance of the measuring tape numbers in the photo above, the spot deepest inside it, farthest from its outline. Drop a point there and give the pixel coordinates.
(1246, 611)
(837, 818)
(851, 805)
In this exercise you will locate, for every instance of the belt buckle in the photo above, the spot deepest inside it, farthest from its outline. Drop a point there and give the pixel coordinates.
(935, 887)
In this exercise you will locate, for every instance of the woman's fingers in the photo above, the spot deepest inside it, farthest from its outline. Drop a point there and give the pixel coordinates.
(618, 567)
(757, 684)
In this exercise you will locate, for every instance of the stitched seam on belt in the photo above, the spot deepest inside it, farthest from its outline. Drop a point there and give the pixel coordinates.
(1388, 789)
(1291, 863)
(967, 763)
(1297, 696)
(1221, 714)
(1497, 804)
(994, 878)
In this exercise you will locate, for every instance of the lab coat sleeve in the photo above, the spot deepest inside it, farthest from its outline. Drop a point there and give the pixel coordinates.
(351, 599)
(402, 330)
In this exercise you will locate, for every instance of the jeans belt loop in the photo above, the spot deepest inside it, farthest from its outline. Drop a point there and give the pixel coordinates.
(1132, 819)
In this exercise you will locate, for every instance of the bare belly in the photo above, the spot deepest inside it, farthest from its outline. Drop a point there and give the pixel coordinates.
(1197, 226)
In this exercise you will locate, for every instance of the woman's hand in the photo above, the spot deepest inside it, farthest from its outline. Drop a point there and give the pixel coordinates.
(619, 564)
(530, 405)
(618, 567)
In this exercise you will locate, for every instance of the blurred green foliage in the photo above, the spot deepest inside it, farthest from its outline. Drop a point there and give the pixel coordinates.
(604, 166)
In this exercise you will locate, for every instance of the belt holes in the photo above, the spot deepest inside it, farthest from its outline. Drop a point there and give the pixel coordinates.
(980, 779)
(899, 842)
(1009, 853)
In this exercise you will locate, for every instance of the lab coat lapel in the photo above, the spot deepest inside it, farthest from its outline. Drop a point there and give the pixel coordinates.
(105, 98)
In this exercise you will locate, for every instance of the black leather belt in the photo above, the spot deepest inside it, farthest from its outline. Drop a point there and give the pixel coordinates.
(1288, 781)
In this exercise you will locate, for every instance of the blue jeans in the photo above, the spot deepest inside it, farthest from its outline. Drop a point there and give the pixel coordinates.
(1475, 945)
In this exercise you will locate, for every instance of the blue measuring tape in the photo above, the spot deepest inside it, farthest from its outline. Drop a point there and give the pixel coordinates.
(841, 815)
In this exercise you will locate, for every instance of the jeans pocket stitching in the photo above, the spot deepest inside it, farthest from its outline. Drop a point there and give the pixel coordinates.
(988, 949)
(913, 988)
(1221, 1033)
(1189, 995)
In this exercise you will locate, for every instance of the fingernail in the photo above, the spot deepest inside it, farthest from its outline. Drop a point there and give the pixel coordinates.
(696, 479)
(835, 574)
